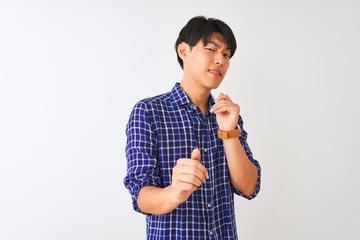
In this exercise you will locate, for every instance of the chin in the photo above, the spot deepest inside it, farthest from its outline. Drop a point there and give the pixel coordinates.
(214, 85)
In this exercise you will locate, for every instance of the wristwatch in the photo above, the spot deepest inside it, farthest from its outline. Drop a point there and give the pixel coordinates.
(229, 134)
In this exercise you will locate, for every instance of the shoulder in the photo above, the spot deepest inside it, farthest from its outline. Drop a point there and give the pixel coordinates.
(152, 106)
(153, 103)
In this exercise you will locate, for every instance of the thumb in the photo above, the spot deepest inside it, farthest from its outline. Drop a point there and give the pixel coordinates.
(195, 154)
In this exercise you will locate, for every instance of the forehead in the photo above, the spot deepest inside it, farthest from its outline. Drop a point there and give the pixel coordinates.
(218, 40)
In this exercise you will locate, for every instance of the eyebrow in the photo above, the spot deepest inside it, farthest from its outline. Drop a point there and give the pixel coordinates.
(217, 45)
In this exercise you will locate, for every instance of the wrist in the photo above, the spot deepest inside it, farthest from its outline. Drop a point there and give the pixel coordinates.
(172, 197)
(229, 134)
(229, 127)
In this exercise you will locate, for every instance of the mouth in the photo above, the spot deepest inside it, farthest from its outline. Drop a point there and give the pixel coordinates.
(215, 72)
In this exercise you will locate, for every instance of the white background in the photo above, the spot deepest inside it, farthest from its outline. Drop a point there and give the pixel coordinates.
(70, 72)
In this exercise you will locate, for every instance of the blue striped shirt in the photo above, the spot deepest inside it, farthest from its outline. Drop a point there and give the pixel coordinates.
(161, 130)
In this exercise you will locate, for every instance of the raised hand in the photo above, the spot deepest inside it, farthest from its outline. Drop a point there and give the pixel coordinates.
(227, 112)
(188, 175)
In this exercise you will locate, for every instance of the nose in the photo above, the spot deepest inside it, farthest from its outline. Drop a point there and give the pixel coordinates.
(219, 60)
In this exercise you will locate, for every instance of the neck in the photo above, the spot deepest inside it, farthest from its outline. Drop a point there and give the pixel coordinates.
(198, 95)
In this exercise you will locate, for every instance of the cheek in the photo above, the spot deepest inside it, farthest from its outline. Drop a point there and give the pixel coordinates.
(204, 60)
(201, 65)
(226, 67)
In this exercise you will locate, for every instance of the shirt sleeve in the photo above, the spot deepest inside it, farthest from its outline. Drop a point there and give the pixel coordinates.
(243, 141)
(141, 154)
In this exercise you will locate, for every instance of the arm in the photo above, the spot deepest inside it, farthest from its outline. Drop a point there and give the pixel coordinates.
(154, 200)
(143, 178)
(243, 172)
(188, 175)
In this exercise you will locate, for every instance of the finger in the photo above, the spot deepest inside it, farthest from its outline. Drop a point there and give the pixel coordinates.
(191, 179)
(225, 108)
(229, 107)
(223, 96)
(186, 162)
(181, 175)
(219, 104)
(195, 154)
(220, 94)
(228, 98)
(190, 170)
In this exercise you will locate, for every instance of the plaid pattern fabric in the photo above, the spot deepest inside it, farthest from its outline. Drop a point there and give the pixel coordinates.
(161, 130)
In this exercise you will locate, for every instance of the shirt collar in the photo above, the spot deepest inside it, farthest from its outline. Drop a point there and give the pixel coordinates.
(179, 97)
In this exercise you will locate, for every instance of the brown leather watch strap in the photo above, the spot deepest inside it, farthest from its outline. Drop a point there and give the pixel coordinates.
(228, 134)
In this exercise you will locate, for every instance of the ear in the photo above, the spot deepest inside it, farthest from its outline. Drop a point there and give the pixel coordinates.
(183, 50)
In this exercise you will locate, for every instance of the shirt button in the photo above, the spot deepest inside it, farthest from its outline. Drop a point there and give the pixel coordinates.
(205, 149)
(207, 177)
(209, 205)
(211, 233)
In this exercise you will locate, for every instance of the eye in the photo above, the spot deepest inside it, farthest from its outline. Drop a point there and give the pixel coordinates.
(210, 49)
(227, 55)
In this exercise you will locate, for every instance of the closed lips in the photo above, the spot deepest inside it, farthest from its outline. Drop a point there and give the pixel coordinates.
(217, 72)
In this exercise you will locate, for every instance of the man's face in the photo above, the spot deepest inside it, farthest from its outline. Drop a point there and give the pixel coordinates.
(206, 65)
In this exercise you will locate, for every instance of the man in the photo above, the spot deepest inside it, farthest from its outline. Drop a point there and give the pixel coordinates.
(187, 153)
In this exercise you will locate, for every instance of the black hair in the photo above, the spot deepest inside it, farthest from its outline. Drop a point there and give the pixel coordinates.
(201, 28)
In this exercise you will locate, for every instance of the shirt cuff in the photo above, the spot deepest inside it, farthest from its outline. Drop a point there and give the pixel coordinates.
(136, 190)
(257, 189)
